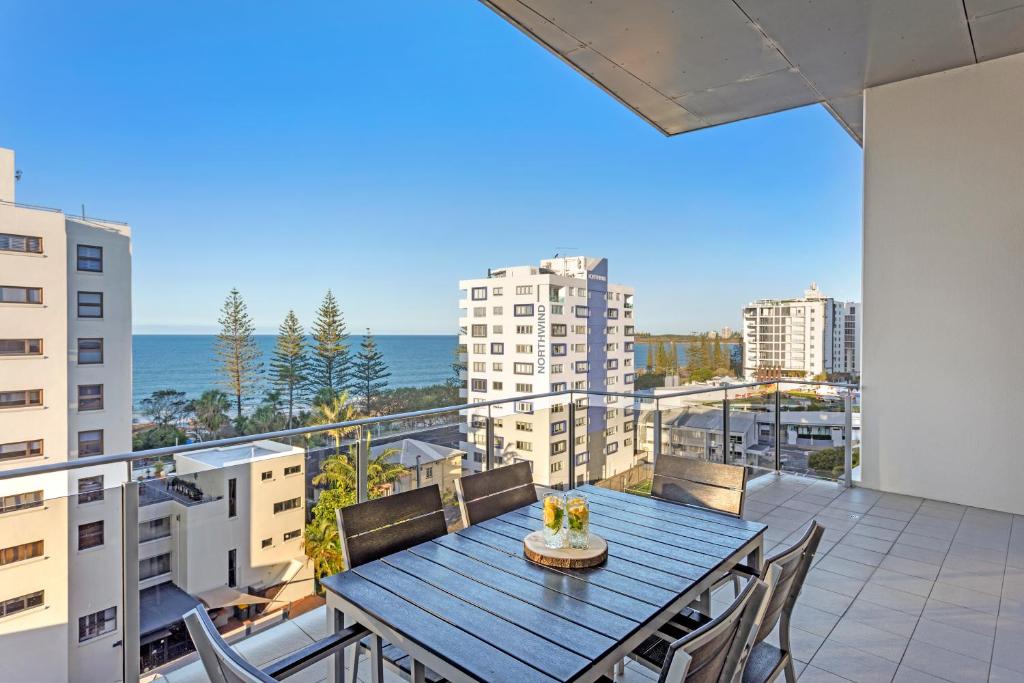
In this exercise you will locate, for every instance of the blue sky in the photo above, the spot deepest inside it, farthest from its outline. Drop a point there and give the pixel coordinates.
(386, 150)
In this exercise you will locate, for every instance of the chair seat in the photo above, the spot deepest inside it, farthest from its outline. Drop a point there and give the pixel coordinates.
(396, 657)
(764, 663)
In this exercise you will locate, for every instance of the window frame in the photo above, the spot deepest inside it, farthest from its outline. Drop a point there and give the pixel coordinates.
(80, 258)
(28, 295)
(24, 455)
(27, 345)
(27, 396)
(101, 441)
(90, 535)
(100, 350)
(26, 239)
(80, 305)
(90, 400)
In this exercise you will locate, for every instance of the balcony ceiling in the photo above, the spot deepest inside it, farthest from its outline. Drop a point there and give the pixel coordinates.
(688, 64)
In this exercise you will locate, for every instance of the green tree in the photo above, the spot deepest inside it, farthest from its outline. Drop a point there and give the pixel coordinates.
(381, 473)
(158, 437)
(650, 357)
(331, 410)
(322, 545)
(458, 367)
(371, 373)
(673, 359)
(166, 407)
(330, 365)
(210, 414)
(236, 349)
(267, 417)
(289, 366)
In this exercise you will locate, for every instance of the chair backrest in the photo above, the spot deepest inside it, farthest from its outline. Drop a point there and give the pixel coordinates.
(379, 527)
(793, 565)
(495, 492)
(221, 662)
(717, 652)
(697, 482)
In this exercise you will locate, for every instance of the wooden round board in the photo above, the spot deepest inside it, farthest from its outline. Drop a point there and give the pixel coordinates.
(565, 558)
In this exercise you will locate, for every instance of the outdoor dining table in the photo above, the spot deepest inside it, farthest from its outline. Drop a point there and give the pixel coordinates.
(470, 607)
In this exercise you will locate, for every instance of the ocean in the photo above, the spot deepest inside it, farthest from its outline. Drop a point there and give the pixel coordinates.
(186, 362)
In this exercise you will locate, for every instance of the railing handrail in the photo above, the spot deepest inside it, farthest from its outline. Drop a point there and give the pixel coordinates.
(131, 456)
(77, 217)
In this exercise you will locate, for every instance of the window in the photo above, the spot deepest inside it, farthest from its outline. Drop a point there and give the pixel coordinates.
(522, 368)
(524, 388)
(582, 458)
(90, 397)
(479, 330)
(479, 366)
(90, 351)
(290, 504)
(582, 366)
(21, 449)
(264, 476)
(90, 259)
(556, 467)
(524, 329)
(21, 399)
(558, 447)
(90, 304)
(266, 542)
(524, 289)
(90, 489)
(497, 386)
(90, 442)
(292, 534)
(496, 291)
(479, 348)
(154, 529)
(21, 501)
(558, 427)
(611, 364)
(478, 384)
(21, 295)
(524, 426)
(525, 446)
(20, 603)
(294, 469)
(480, 312)
(579, 329)
(429, 473)
(90, 535)
(524, 407)
(558, 386)
(232, 567)
(479, 293)
(23, 243)
(497, 348)
(559, 330)
(20, 553)
(558, 349)
(579, 348)
(497, 310)
(522, 310)
(154, 566)
(21, 347)
(497, 367)
(613, 447)
(524, 348)
(557, 368)
(233, 498)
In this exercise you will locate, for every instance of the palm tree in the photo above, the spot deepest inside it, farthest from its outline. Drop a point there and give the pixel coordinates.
(380, 473)
(323, 548)
(330, 409)
(210, 411)
(336, 472)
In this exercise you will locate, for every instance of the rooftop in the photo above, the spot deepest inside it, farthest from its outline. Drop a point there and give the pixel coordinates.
(216, 458)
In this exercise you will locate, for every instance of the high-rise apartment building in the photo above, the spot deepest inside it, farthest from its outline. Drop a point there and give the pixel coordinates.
(65, 393)
(538, 329)
(801, 338)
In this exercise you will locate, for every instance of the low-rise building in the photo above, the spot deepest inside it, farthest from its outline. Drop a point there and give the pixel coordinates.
(425, 464)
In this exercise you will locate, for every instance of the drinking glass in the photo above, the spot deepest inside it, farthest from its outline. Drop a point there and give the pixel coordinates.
(554, 517)
(578, 510)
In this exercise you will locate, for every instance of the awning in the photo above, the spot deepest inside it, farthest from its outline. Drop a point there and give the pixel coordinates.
(223, 596)
(161, 606)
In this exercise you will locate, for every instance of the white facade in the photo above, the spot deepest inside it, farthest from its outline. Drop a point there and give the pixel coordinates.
(538, 329)
(801, 337)
(65, 392)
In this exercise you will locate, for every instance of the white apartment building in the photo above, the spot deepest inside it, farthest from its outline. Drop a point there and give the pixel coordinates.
(65, 393)
(539, 329)
(802, 337)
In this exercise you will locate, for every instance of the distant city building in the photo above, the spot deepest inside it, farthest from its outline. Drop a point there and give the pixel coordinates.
(725, 332)
(801, 338)
(65, 393)
(539, 329)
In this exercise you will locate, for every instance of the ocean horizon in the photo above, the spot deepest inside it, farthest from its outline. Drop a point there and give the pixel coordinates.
(186, 362)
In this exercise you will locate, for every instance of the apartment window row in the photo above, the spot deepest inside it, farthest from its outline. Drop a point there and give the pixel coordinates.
(559, 330)
(20, 553)
(21, 449)
(524, 388)
(478, 384)
(21, 501)
(154, 566)
(524, 289)
(284, 505)
(21, 398)
(522, 310)
(21, 347)
(559, 447)
(26, 244)
(292, 534)
(90, 397)
(525, 446)
(21, 295)
(94, 625)
(522, 368)
(90, 535)
(20, 603)
(294, 469)
(524, 329)
(524, 426)
(90, 489)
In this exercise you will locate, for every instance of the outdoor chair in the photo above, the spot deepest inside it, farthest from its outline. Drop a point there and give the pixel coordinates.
(224, 665)
(495, 492)
(717, 651)
(376, 528)
(766, 661)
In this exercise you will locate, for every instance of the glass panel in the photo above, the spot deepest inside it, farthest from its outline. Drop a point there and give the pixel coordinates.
(813, 433)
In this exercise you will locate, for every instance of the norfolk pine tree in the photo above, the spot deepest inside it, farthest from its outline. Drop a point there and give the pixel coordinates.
(371, 373)
(330, 366)
(236, 350)
(289, 366)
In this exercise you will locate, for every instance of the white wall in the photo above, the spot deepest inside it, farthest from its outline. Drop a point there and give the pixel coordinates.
(943, 371)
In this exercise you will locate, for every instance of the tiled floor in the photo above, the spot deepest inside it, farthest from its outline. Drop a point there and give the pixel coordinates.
(903, 589)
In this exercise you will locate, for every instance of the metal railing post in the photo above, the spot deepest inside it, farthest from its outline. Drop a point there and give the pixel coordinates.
(848, 441)
(572, 442)
(489, 435)
(362, 467)
(657, 431)
(778, 428)
(726, 439)
(130, 579)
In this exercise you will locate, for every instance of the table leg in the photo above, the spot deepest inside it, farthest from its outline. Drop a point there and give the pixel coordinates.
(756, 558)
(376, 660)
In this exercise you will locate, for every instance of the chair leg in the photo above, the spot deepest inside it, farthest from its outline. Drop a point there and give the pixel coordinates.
(784, 644)
(356, 653)
(790, 671)
(704, 603)
(620, 670)
(736, 586)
